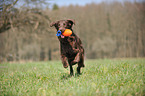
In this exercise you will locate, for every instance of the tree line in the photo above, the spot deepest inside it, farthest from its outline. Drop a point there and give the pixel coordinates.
(113, 30)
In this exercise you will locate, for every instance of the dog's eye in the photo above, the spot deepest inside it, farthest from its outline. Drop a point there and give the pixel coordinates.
(58, 24)
(64, 24)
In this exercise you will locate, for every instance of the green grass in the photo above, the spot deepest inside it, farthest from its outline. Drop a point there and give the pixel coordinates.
(108, 77)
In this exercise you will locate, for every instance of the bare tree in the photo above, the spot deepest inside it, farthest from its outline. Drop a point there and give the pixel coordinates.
(5, 13)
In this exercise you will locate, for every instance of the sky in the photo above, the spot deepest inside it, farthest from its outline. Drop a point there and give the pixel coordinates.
(83, 2)
(76, 2)
(73, 2)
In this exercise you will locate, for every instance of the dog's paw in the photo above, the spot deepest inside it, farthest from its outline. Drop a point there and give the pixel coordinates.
(65, 66)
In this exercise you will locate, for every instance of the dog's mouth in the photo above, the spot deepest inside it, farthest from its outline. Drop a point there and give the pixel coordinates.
(60, 34)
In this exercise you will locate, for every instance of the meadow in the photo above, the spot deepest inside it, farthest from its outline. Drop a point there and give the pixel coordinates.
(100, 77)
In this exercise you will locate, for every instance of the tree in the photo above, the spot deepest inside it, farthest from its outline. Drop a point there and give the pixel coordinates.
(6, 6)
(55, 7)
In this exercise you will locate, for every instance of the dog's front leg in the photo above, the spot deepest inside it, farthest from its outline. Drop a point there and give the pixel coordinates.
(70, 65)
(75, 60)
(64, 62)
(71, 70)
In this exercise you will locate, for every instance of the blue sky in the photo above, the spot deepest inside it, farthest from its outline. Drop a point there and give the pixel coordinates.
(73, 2)
(82, 2)
(77, 2)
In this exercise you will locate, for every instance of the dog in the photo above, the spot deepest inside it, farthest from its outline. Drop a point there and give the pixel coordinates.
(71, 47)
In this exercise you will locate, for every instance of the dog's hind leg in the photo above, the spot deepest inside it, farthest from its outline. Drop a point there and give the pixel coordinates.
(80, 64)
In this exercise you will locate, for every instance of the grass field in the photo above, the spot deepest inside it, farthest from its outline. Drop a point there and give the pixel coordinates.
(106, 77)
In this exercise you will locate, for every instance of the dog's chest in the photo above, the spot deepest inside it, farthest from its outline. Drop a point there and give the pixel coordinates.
(67, 48)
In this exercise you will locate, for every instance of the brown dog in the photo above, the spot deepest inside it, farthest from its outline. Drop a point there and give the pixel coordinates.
(71, 46)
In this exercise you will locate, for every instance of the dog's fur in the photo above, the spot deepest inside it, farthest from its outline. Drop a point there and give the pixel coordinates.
(71, 46)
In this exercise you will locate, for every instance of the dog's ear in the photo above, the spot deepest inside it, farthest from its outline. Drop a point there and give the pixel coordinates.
(53, 24)
(71, 21)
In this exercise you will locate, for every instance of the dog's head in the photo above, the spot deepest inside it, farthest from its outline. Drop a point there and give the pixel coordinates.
(63, 24)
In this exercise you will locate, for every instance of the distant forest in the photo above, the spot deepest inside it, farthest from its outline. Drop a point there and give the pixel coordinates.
(114, 30)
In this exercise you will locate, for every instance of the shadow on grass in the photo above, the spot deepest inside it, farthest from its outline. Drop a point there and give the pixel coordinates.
(66, 76)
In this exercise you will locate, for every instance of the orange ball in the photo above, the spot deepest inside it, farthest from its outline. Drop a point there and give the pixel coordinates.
(67, 32)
